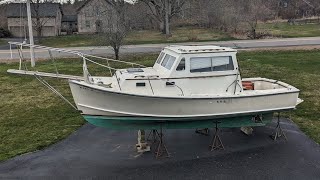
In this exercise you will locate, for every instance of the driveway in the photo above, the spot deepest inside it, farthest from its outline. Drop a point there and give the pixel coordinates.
(107, 154)
(152, 48)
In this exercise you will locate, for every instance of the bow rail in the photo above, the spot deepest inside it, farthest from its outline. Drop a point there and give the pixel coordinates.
(85, 57)
(80, 54)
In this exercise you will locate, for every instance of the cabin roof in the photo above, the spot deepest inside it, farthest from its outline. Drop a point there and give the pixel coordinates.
(190, 49)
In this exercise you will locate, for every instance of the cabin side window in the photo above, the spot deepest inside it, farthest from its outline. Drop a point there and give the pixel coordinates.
(168, 61)
(222, 63)
(182, 65)
(160, 57)
(208, 64)
(200, 64)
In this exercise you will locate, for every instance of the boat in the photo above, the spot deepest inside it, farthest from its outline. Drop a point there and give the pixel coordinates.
(187, 87)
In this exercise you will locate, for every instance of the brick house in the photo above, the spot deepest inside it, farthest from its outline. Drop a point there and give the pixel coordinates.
(50, 15)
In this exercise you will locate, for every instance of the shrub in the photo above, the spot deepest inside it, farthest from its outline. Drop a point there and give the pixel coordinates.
(4, 33)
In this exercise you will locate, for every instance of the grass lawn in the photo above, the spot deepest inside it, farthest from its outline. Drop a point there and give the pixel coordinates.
(184, 34)
(285, 30)
(3, 42)
(33, 118)
(298, 68)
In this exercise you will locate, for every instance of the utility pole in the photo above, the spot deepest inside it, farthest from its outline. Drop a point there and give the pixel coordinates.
(30, 34)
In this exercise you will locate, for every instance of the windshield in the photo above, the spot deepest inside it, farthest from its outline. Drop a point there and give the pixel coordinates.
(168, 61)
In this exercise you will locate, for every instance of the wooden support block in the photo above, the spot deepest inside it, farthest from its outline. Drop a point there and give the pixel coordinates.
(246, 130)
(142, 145)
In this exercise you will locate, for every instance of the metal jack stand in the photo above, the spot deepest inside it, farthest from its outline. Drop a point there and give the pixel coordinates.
(153, 134)
(204, 131)
(161, 146)
(278, 131)
(216, 142)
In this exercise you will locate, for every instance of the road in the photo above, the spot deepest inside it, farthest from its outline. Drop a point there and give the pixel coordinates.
(93, 152)
(149, 48)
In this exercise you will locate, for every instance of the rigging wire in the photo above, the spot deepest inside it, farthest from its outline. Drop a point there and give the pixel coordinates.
(45, 83)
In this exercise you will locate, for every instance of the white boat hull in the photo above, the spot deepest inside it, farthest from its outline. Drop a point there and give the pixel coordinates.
(95, 100)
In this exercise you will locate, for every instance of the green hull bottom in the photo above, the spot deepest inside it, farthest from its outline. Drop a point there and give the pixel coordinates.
(136, 123)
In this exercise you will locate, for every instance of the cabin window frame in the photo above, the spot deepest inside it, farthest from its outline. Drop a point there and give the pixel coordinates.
(160, 57)
(212, 68)
(168, 63)
(184, 65)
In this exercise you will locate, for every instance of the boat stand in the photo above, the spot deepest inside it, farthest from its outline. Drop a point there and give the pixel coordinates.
(257, 118)
(154, 137)
(161, 148)
(204, 131)
(278, 131)
(142, 146)
(216, 142)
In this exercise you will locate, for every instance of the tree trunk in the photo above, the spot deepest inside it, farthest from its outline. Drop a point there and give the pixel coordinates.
(116, 52)
(167, 25)
(162, 27)
(254, 34)
(254, 28)
(39, 29)
(39, 33)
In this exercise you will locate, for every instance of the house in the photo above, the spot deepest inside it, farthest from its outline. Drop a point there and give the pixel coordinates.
(69, 22)
(3, 18)
(93, 16)
(48, 14)
(293, 9)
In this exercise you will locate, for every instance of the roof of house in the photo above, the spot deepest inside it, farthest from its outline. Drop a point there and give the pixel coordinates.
(69, 18)
(45, 9)
(83, 4)
(190, 49)
(69, 9)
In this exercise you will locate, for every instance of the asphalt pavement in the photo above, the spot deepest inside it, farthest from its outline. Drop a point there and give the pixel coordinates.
(152, 48)
(97, 153)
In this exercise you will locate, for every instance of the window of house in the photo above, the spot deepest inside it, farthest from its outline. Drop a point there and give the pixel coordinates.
(97, 11)
(208, 64)
(182, 65)
(87, 13)
(168, 61)
(160, 57)
(87, 24)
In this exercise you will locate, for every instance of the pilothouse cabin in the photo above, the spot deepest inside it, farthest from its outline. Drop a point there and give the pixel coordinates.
(185, 71)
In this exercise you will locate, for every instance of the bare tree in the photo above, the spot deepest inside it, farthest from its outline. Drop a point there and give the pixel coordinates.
(38, 20)
(255, 11)
(163, 11)
(114, 29)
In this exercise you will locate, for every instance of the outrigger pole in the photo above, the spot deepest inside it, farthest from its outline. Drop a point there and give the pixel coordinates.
(30, 34)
